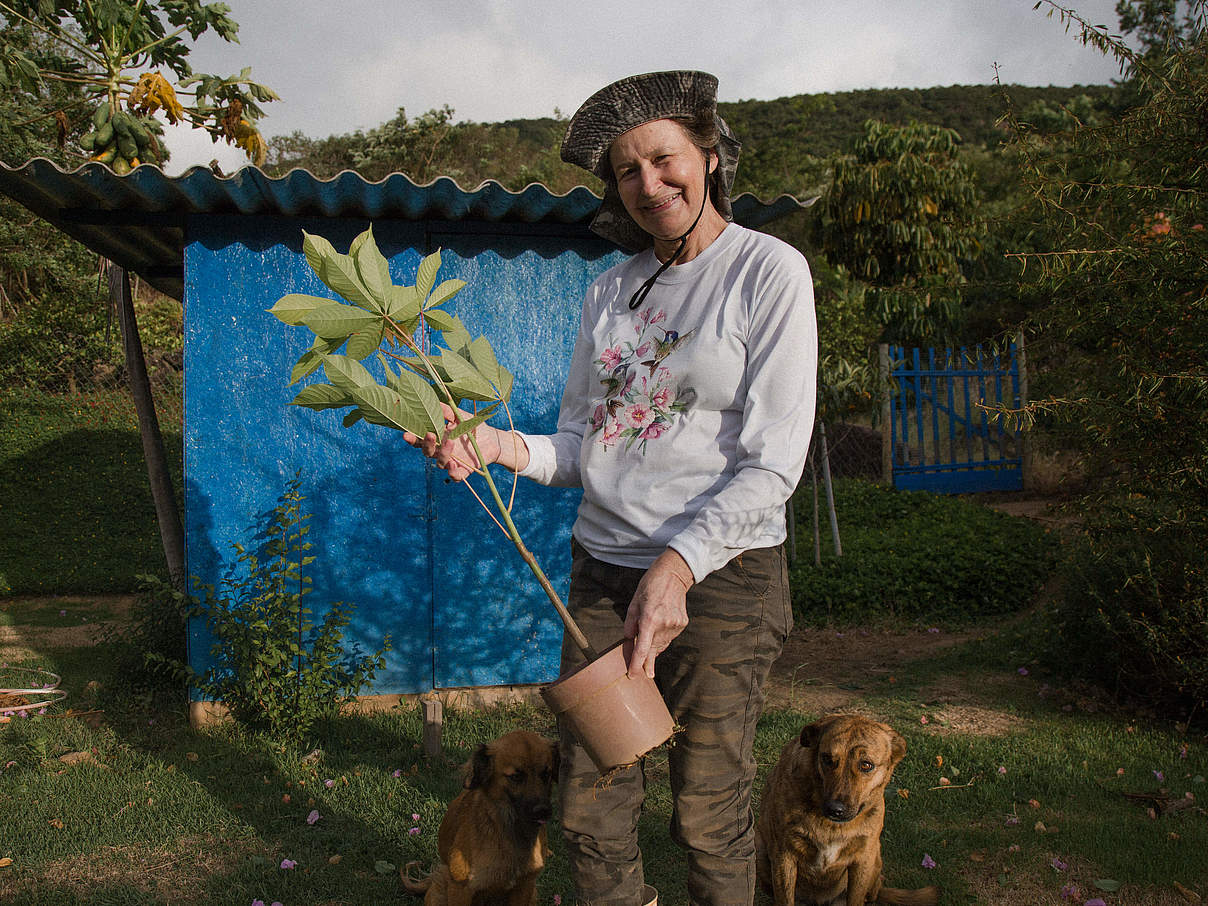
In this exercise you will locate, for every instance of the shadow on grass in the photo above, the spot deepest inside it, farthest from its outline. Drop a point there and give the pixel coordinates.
(76, 514)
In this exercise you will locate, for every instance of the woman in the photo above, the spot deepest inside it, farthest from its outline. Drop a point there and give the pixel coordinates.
(686, 419)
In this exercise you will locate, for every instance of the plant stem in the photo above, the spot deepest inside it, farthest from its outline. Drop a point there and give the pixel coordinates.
(572, 628)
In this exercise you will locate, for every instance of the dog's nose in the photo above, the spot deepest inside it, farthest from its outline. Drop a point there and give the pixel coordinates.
(836, 810)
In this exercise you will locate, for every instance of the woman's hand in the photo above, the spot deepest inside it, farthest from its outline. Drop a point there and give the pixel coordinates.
(658, 611)
(457, 457)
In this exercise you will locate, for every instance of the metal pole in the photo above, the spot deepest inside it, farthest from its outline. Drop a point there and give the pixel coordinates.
(830, 491)
(171, 531)
(814, 482)
(1025, 432)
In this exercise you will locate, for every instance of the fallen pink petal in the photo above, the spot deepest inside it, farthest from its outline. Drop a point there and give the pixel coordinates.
(414, 816)
(1002, 769)
(1023, 671)
(1095, 901)
(928, 862)
(413, 831)
(1058, 864)
(288, 863)
(313, 816)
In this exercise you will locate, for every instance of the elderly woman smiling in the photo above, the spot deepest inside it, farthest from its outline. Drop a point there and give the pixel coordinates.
(686, 419)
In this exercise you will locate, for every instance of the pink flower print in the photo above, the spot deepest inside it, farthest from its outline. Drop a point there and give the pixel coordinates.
(662, 398)
(639, 416)
(642, 350)
(655, 429)
(612, 430)
(597, 418)
(659, 317)
(611, 357)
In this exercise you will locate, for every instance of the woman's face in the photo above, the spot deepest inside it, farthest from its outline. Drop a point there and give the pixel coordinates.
(660, 177)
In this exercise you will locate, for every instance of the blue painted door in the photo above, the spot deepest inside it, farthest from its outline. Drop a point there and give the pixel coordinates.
(417, 557)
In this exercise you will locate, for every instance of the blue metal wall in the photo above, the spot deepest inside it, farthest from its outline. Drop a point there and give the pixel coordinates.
(416, 555)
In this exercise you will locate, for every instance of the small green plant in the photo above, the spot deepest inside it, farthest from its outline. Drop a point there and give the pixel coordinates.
(277, 670)
(147, 649)
(385, 318)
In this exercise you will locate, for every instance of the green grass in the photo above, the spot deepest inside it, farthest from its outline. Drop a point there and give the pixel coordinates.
(76, 513)
(163, 813)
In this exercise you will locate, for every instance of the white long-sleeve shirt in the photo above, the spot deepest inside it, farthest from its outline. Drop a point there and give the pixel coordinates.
(687, 422)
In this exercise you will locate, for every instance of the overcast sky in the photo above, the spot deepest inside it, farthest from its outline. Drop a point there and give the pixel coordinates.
(350, 64)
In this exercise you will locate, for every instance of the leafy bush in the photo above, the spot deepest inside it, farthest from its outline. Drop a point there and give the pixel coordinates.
(916, 556)
(1133, 613)
(276, 669)
(149, 645)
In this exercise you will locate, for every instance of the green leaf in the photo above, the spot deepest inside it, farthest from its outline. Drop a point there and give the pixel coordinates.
(364, 342)
(317, 250)
(426, 274)
(353, 417)
(403, 304)
(371, 265)
(321, 396)
(338, 320)
(346, 373)
(1111, 885)
(443, 293)
(293, 308)
(438, 319)
(465, 427)
(464, 379)
(313, 358)
(419, 397)
(382, 867)
(483, 357)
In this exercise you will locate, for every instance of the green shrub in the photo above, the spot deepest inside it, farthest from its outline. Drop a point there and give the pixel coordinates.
(276, 669)
(147, 647)
(1133, 611)
(915, 556)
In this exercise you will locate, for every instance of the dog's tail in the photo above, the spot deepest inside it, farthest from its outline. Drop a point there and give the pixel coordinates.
(896, 896)
(414, 881)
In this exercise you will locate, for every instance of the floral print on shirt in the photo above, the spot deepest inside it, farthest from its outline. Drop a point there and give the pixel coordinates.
(640, 396)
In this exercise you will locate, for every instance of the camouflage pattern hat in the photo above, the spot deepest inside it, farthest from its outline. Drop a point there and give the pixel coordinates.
(622, 106)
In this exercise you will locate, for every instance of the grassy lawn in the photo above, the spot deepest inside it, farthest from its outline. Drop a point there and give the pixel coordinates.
(76, 513)
(1035, 798)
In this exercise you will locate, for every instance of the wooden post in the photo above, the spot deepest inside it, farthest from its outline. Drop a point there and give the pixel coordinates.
(171, 530)
(434, 722)
(1025, 439)
(830, 492)
(886, 418)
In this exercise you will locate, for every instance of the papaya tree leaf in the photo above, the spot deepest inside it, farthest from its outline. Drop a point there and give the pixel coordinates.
(443, 293)
(464, 380)
(403, 304)
(321, 396)
(371, 264)
(347, 373)
(364, 343)
(425, 277)
(313, 358)
(469, 424)
(353, 417)
(338, 320)
(420, 399)
(293, 308)
(317, 251)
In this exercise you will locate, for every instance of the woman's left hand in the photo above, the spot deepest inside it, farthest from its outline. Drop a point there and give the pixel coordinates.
(658, 611)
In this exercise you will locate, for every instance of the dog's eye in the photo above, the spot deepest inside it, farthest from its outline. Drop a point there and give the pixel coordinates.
(517, 777)
(866, 766)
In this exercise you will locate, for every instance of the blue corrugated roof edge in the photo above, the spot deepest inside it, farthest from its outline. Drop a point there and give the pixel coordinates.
(137, 219)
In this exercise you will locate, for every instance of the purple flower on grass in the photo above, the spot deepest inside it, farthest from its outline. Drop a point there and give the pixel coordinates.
(1058, 864)
(928, 862)
(398, 773)
(1159, 775)
(413, 831)
(313, 816)
(1022, 671)
(329, 783)
(1095, 901)
(288, 863)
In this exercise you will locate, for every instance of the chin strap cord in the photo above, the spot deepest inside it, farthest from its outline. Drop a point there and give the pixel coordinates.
(643, 291)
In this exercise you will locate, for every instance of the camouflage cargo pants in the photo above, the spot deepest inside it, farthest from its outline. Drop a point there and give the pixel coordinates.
(712, 678)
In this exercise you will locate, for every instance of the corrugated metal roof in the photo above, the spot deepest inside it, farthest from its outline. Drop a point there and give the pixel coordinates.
(138, 220)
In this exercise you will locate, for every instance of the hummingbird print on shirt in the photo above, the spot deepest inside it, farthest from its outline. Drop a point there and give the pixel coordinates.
(664, 347)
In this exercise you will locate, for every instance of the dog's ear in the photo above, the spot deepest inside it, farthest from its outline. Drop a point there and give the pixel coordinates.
(810, 734)
(897, 746)
(480, 768)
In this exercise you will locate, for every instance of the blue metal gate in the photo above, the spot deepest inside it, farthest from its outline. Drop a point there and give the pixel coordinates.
(944, 438)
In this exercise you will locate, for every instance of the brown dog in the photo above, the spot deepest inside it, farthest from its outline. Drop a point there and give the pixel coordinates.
(818, 839)
(492, 840)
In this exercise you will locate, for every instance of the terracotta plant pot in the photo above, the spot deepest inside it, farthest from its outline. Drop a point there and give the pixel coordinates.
(617, 719)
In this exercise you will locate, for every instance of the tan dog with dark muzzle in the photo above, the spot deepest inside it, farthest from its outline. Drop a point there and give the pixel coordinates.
(492, 840)
(818, 838)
